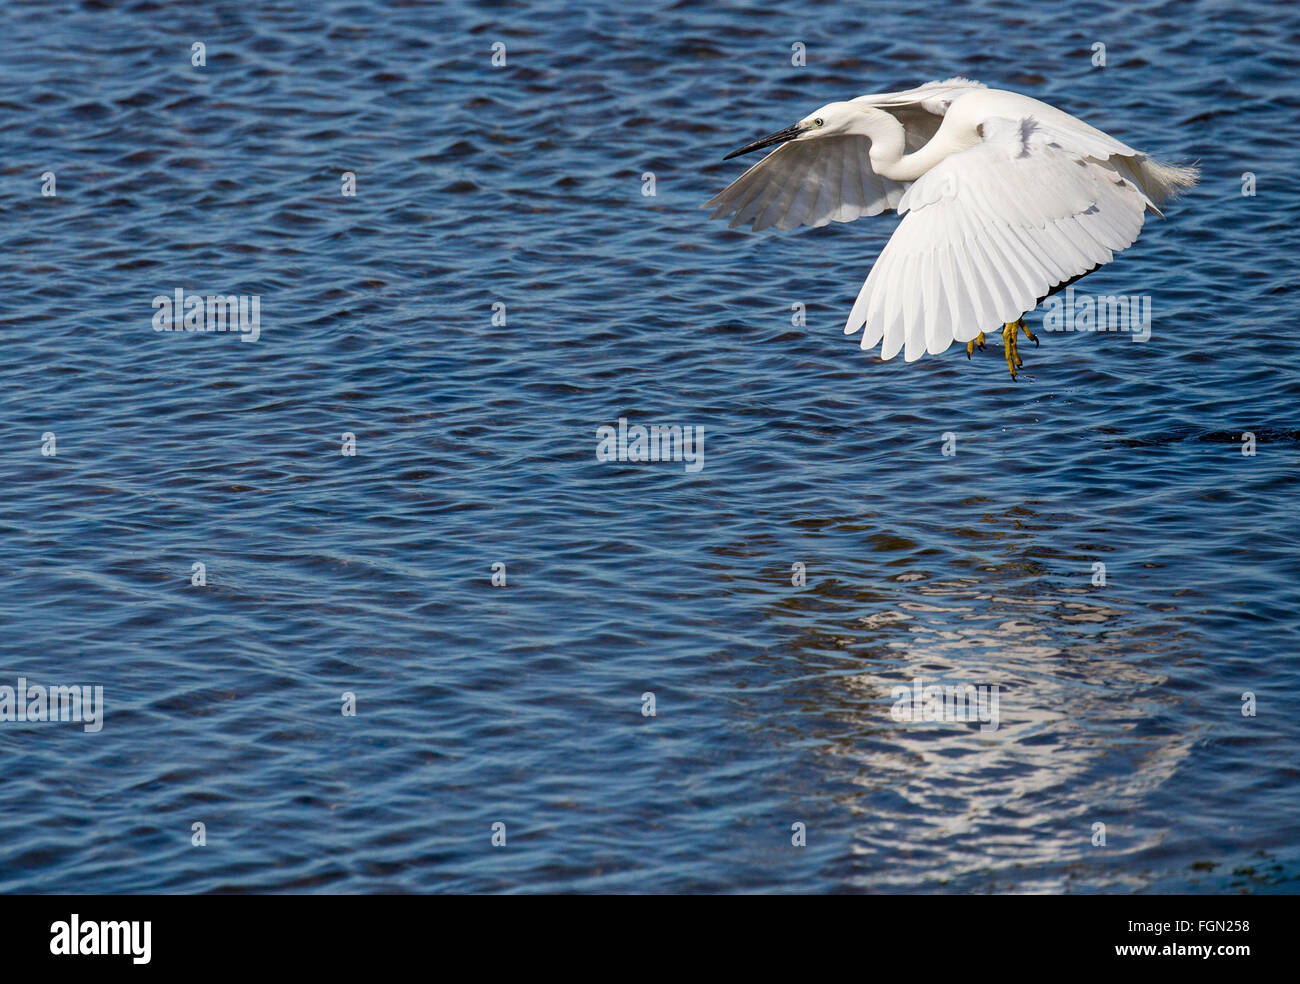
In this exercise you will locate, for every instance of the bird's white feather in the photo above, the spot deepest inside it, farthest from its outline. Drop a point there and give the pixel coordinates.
(805, 182)
(816, 182)
(991, 230)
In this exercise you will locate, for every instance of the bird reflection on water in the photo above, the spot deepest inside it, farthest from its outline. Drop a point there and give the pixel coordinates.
(938, 804)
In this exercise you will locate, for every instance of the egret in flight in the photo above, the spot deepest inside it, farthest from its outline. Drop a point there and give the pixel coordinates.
(1004, 199)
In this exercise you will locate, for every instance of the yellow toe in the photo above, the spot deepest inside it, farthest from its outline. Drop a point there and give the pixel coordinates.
(1009, 348)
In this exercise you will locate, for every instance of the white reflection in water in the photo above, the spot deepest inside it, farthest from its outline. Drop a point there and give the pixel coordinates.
(941, 800)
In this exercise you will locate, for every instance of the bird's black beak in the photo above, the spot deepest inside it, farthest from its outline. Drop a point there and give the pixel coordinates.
(781, 136)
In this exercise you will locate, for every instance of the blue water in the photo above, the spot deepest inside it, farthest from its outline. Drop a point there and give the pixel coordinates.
(522, 704)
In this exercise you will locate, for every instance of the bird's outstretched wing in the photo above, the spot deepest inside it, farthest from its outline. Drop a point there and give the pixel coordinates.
(990, 230)
(808, 182)
(815, 182)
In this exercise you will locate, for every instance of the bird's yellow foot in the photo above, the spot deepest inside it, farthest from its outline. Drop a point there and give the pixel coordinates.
(1009, 346)
(1028, 334)
(977, 340)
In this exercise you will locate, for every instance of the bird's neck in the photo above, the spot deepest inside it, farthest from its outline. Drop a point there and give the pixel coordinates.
(887, 150)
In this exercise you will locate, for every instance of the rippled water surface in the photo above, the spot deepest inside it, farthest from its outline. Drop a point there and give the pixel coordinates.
(522, 186)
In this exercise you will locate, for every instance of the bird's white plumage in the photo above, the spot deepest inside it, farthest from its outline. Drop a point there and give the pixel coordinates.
(815, 182)
(1003, 198)
(990, 230)
(808, 182)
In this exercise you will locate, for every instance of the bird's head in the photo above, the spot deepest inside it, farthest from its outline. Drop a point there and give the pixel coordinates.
(832, 119)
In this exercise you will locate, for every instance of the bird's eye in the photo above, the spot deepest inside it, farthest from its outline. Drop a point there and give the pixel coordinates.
(819, 122)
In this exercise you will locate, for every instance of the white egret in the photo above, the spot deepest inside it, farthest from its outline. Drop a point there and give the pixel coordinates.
(1004, 200)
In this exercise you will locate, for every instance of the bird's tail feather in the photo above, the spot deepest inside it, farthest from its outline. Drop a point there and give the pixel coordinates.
(1160, 182)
